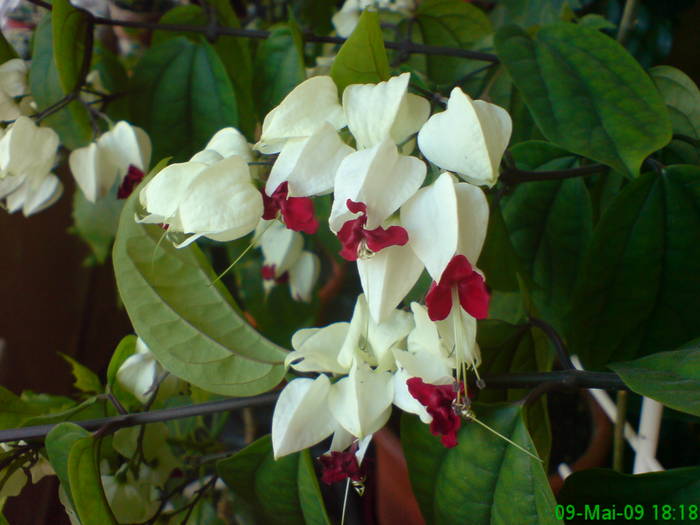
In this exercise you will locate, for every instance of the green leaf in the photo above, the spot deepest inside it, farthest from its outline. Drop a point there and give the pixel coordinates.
(96, 223)
(58, 444)
(605, 488)
(528, 13)
(279, 66)
(69, 27)
(115, 80)
(72, 123)
(484, 479)
(451, 23)
(362, 58)
(194, 328)
(550, 225)
(85, 379)
(639, 288)
(91, 408)
(672, 378)
(85, 484)
(181, 95)
(7, 52)
(14, 410)
(233, 52)
(285, 491)
(682, 99)
(587, 93)
(508, 348)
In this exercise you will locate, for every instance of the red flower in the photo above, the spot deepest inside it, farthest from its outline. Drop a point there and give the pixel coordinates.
(471, 290)
(338, 466)
(132, 179)
(297, 212)
(438, 401)
(353, 232)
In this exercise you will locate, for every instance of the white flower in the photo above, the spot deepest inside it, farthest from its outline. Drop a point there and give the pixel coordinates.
(13, 84)
(98, 166)
(131, 500)
(346, 19)
(281, 247)
(140, 372)
(303, 275)
(26, 149)
(469, 138)
(301, 114)
(446, 219)
(377, 177)
(217, 201)
(377, 111)
(31, 194)
(228, 142)
(13, 485)
(302, 417)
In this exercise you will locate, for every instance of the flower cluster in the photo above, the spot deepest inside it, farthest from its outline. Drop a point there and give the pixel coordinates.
(393, 228)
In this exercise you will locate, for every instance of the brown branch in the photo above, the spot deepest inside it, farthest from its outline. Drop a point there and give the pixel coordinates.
(209, 31)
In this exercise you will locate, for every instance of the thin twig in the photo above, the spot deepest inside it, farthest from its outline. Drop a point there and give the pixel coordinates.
(564, 379)
(406, 47)
(627, 22)
(619, 434)
(141, 418)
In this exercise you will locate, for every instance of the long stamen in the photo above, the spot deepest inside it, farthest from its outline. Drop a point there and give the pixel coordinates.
(484, 425)
(345, 501)
(252, 244)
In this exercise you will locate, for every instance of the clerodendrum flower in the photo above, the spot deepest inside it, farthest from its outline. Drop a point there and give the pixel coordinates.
(377, 111)
(125, 149)
(27, 155)
(447, 224)
(13, 84)
(346, 19)
(218, 201)
(469, 138)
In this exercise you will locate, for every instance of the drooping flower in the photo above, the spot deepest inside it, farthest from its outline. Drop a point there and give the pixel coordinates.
(303, 276)
(13, 84)
(124, 150)
(353, 233)
(301, 114)
(469, 138)
(339, 466)
(140, 373)
(27, 155)
(346, 19)
(217, 201)
(376, 112)
(439, 403)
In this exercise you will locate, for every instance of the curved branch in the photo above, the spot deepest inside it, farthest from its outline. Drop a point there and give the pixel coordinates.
(556, 340)
(566, 379)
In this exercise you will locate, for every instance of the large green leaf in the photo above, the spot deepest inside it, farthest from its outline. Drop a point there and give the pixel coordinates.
(193, 327)
(233, 52)
(72, 123)
(587, 93)
(285, 491)
(550, 225)
(362, 58)
(507, 348)
(69, 27)
(181, 95)
(639, 288)
(450, 23)
(498, 259)
(279, 66)
(600, 489)
(672, 378)
(682, 98)
(85, 484)
(484, 479)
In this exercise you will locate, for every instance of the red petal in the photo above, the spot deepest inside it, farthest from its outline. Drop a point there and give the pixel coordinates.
(380, 238)
(350, 236)
(473, 296)
(338, 466)
(356, 207)
(268, 272)
(457, 269)
(439, 301)
(437, 400)
(298, 213)
(270, 207)
(132, 179)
